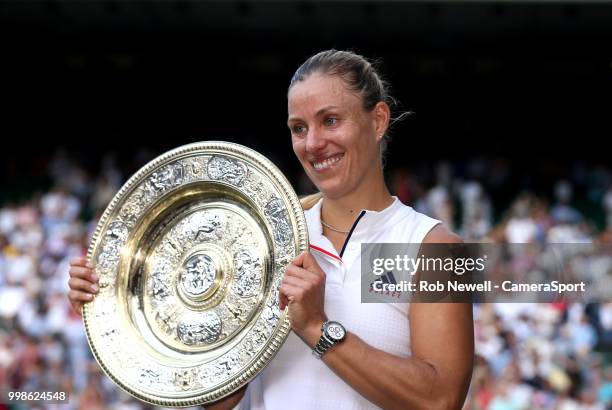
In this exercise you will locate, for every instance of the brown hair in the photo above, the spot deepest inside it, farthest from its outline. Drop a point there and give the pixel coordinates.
(309, 201)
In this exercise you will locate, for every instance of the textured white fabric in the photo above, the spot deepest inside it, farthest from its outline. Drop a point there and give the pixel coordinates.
(295, 379)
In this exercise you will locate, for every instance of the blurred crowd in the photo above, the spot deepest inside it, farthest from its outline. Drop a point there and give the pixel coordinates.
(528, 356)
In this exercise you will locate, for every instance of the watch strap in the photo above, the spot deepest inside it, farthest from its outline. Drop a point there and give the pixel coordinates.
(321, 347)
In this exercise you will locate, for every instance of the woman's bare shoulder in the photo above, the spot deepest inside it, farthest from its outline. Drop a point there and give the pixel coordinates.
(441, 234)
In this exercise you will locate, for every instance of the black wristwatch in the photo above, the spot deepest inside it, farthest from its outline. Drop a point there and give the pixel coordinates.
(332, 333)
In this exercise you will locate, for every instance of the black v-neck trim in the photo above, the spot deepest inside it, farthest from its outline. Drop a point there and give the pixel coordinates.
(351, 232)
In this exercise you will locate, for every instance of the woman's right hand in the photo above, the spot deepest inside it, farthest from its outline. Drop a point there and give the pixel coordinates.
(83, 283)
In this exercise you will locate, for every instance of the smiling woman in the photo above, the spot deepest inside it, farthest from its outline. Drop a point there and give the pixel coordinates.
(339, 114)
(336, 143)
(337, 134)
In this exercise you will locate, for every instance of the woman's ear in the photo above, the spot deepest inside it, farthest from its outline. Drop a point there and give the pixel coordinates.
(382, 114)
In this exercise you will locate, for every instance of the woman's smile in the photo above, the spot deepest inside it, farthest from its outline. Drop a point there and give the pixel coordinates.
(326, 163)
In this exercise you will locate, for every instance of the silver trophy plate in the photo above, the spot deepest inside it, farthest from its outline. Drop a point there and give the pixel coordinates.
(190, 254)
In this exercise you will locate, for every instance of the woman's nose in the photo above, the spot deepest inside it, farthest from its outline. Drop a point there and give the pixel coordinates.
(315, 141)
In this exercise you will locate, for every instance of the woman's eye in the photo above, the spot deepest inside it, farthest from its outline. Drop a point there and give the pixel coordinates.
(331, 121)
(298, 129)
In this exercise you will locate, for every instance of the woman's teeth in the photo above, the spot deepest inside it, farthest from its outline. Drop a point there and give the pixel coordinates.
(326, 163)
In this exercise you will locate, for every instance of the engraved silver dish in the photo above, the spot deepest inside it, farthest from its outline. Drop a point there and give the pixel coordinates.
(190, 254)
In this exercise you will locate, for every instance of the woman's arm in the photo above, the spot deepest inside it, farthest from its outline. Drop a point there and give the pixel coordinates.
(437, 374)
(227, 403)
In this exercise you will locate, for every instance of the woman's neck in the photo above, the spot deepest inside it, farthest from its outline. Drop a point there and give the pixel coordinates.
(342, 212)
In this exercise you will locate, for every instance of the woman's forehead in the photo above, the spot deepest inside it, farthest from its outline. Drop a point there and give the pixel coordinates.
(317, 91)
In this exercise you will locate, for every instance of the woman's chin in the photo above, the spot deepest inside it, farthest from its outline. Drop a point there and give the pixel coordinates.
(332, 191)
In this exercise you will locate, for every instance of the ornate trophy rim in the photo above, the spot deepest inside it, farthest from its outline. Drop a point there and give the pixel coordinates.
(282, 328)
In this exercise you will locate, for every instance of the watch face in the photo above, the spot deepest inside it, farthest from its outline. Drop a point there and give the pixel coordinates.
(335, 331)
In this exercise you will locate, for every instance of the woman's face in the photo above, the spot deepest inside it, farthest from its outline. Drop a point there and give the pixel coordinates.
(333, 136)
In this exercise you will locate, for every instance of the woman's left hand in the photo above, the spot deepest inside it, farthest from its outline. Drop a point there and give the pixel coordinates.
(303, 290)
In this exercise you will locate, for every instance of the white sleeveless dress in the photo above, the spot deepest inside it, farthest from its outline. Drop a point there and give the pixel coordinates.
(294, 379)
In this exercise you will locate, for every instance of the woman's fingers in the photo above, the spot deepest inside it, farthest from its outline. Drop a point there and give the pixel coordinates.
(77, 307)
(295, 279)
(81, 268)
(283, 300)
(292, 292)
(80, 261)
(310, 263)
(310, 277)
(298, 272)
(78, 296)
(83, 273)
(298, 260)
(297, 282)
(290, 287)
(306, 266)
(81, 284)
